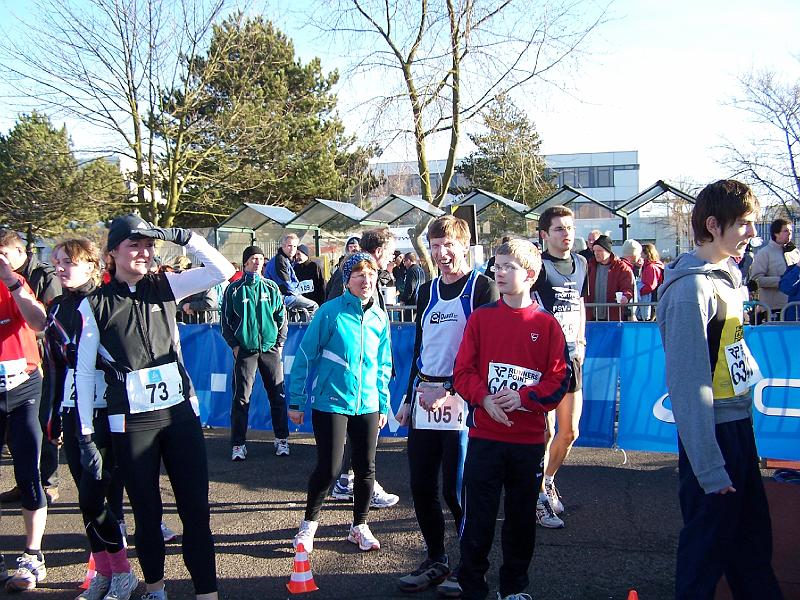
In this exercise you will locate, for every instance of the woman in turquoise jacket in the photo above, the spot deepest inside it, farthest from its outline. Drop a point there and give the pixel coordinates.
(348, 343)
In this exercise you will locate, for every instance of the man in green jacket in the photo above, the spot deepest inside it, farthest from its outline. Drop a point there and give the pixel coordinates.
(254, 325)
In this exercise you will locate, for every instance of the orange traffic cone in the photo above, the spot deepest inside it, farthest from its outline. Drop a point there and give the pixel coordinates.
(90, 573)
(633, 595)
(302, 579)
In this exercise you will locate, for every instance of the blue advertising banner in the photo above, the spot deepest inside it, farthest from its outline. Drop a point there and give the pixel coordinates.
(600, 373)
(628, 354)
(209, 361)
(645, 413)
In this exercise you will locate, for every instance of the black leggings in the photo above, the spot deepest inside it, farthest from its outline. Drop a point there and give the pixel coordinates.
(330, 430)
(182, 448)
(100, 501)
(428, 452)
(19, 414)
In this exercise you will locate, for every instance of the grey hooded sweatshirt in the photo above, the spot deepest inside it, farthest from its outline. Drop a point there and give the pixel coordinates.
(695, 321)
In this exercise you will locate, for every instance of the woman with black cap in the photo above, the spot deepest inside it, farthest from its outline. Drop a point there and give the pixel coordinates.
(130, 325)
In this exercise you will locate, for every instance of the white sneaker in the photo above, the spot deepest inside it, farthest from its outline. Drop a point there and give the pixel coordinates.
(343, 492)
(160, 595)
(122, 586)
(545, 516)
(282, 447)
(30, 571)
(167, 533)
(362, 536)
(97, 590)
(514, 597)
(239, 453)
(551, 491)
(381, 498)
(305, 535)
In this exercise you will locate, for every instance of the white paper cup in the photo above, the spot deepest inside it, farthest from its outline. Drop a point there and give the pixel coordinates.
(620, 296)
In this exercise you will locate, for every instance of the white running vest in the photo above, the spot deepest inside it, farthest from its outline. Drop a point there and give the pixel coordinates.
(443, 323)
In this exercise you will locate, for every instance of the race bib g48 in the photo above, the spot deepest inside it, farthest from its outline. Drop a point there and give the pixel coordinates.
(502, 375)
(155, 388)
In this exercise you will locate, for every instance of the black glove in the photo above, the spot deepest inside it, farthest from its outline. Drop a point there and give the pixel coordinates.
(54, 428)
(177, 235)
(91, 460)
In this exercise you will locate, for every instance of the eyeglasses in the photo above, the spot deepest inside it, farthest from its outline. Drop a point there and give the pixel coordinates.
(508, 267)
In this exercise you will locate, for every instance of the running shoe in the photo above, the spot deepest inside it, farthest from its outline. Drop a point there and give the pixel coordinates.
(160, 595)
(363, 538)
(122, 586)
(97, 590)
(343, 492)
(239, 453)
(282, 447)
(428, 574)
(167, 533)
(305, 535)
(30, 571)
(514, 597)
(449, 588)
(551, 491)
(381, 498)
(545, 516)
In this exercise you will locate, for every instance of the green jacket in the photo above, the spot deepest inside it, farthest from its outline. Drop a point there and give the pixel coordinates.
(253, 316)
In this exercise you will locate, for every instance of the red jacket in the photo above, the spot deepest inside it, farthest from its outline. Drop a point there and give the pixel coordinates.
(17, 340)
(620, 279)
(517, 348)
(652, 276)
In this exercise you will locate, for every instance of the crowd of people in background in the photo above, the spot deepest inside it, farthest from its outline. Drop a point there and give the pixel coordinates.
(92, 360)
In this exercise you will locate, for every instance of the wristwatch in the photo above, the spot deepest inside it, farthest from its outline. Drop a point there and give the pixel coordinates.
(448, 387)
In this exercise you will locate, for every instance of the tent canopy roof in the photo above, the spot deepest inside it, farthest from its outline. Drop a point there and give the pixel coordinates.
(656, 190)
(395, 207)
(481, 200)
(328, 214)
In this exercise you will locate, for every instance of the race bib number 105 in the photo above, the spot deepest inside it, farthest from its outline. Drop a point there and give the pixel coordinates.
(452, 415)
(155, 388)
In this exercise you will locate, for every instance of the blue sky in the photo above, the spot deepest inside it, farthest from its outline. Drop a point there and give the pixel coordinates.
(658, 80)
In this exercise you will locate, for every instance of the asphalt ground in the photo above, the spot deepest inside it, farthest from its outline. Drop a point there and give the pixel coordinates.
(622, 521)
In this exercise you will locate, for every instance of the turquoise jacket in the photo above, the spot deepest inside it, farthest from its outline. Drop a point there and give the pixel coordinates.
(352, 353)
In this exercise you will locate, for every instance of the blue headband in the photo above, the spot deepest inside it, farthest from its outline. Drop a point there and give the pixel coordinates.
(352, 260)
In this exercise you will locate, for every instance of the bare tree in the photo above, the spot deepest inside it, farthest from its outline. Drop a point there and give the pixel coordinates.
(106, 63)
(769, 161)
(446, 60)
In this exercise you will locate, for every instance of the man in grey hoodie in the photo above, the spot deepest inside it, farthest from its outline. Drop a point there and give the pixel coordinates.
(709, 372)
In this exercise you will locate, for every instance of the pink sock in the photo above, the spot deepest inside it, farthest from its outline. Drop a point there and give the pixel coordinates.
(119, 561)
(102, 563)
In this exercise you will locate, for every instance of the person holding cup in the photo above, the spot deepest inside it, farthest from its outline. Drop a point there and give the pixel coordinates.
(434, 412)
(610, 281)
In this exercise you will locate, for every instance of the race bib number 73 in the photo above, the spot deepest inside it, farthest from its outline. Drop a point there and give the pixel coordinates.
(155, 388)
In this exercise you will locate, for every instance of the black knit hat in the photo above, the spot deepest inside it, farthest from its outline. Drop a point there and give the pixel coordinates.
(250, 251)
(304, 249)
(123, 228)
(605, 243)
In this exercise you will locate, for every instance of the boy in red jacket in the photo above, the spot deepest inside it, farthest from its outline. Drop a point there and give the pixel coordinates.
(512, 367)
